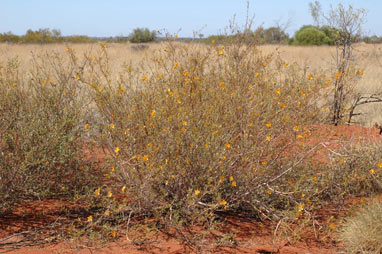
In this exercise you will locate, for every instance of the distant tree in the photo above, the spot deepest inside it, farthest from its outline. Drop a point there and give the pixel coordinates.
(140, 35)
(271, 35)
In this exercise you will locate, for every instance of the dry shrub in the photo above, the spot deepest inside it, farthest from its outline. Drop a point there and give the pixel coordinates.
(356, 170)
(362, 233)
(207, 130)
(40, 129)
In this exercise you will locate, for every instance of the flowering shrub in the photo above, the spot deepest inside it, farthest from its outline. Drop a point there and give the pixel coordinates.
(40, 116)
(207, 129)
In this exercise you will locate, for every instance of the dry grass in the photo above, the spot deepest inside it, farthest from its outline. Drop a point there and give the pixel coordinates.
(313, 58)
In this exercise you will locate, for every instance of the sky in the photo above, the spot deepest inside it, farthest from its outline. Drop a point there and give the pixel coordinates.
(104, 18)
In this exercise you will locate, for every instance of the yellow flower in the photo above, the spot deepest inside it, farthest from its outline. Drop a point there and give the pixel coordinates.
(221, 83)
(107, 213)
(97, 191)
(296, 128)
(175, 65)
(314, 178)
(231, 178)
(184, 123)
(111, 126)
(106, 175)
(67, 49)
(303, 93)
(268, 138)
(278, 91)
(86, 126)
(282, 105)
(206, 145)
(123, 189)
(256, 74)
(144, 78)
(128, 68)
(109, 194)
(197, 192)
(153, 113)
(116, 150)
(223, 202)
(379, 164)
(286, 64)
(90, 218)
(372, 171)
(310, 76)
(300, 207)
(331, 226)
(213, 41)
(234, 183)
(77, 78)
(239, 108)
(166, 182)
(269, 192)
(268, 125)
(220, 52)
(264, 163)
(227, 145)
(114, 234)
(299, 136)
(145, 158)
(361, 73)
(302, 195)
(185, 74)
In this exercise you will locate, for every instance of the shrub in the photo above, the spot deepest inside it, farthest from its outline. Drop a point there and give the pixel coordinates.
(40, 132)
(362, 232)
(140, 35)
(310, 35)
(206, 130)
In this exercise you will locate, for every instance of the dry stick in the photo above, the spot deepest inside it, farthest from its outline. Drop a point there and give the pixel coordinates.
(127, 228)
(296, 163)
(16, 243)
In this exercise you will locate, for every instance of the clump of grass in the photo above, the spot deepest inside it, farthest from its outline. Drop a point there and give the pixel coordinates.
(362, 232)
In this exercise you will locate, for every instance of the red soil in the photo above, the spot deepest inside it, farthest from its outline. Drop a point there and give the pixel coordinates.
(249, 236)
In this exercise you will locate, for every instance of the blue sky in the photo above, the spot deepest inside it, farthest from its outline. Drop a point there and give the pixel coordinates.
(118, 17)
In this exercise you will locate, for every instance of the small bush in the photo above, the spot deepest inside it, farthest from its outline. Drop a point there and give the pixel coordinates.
(140, 35)
(361, 233)
(40, 131)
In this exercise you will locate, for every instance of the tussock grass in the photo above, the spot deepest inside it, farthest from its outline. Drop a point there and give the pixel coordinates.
(361, 233)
